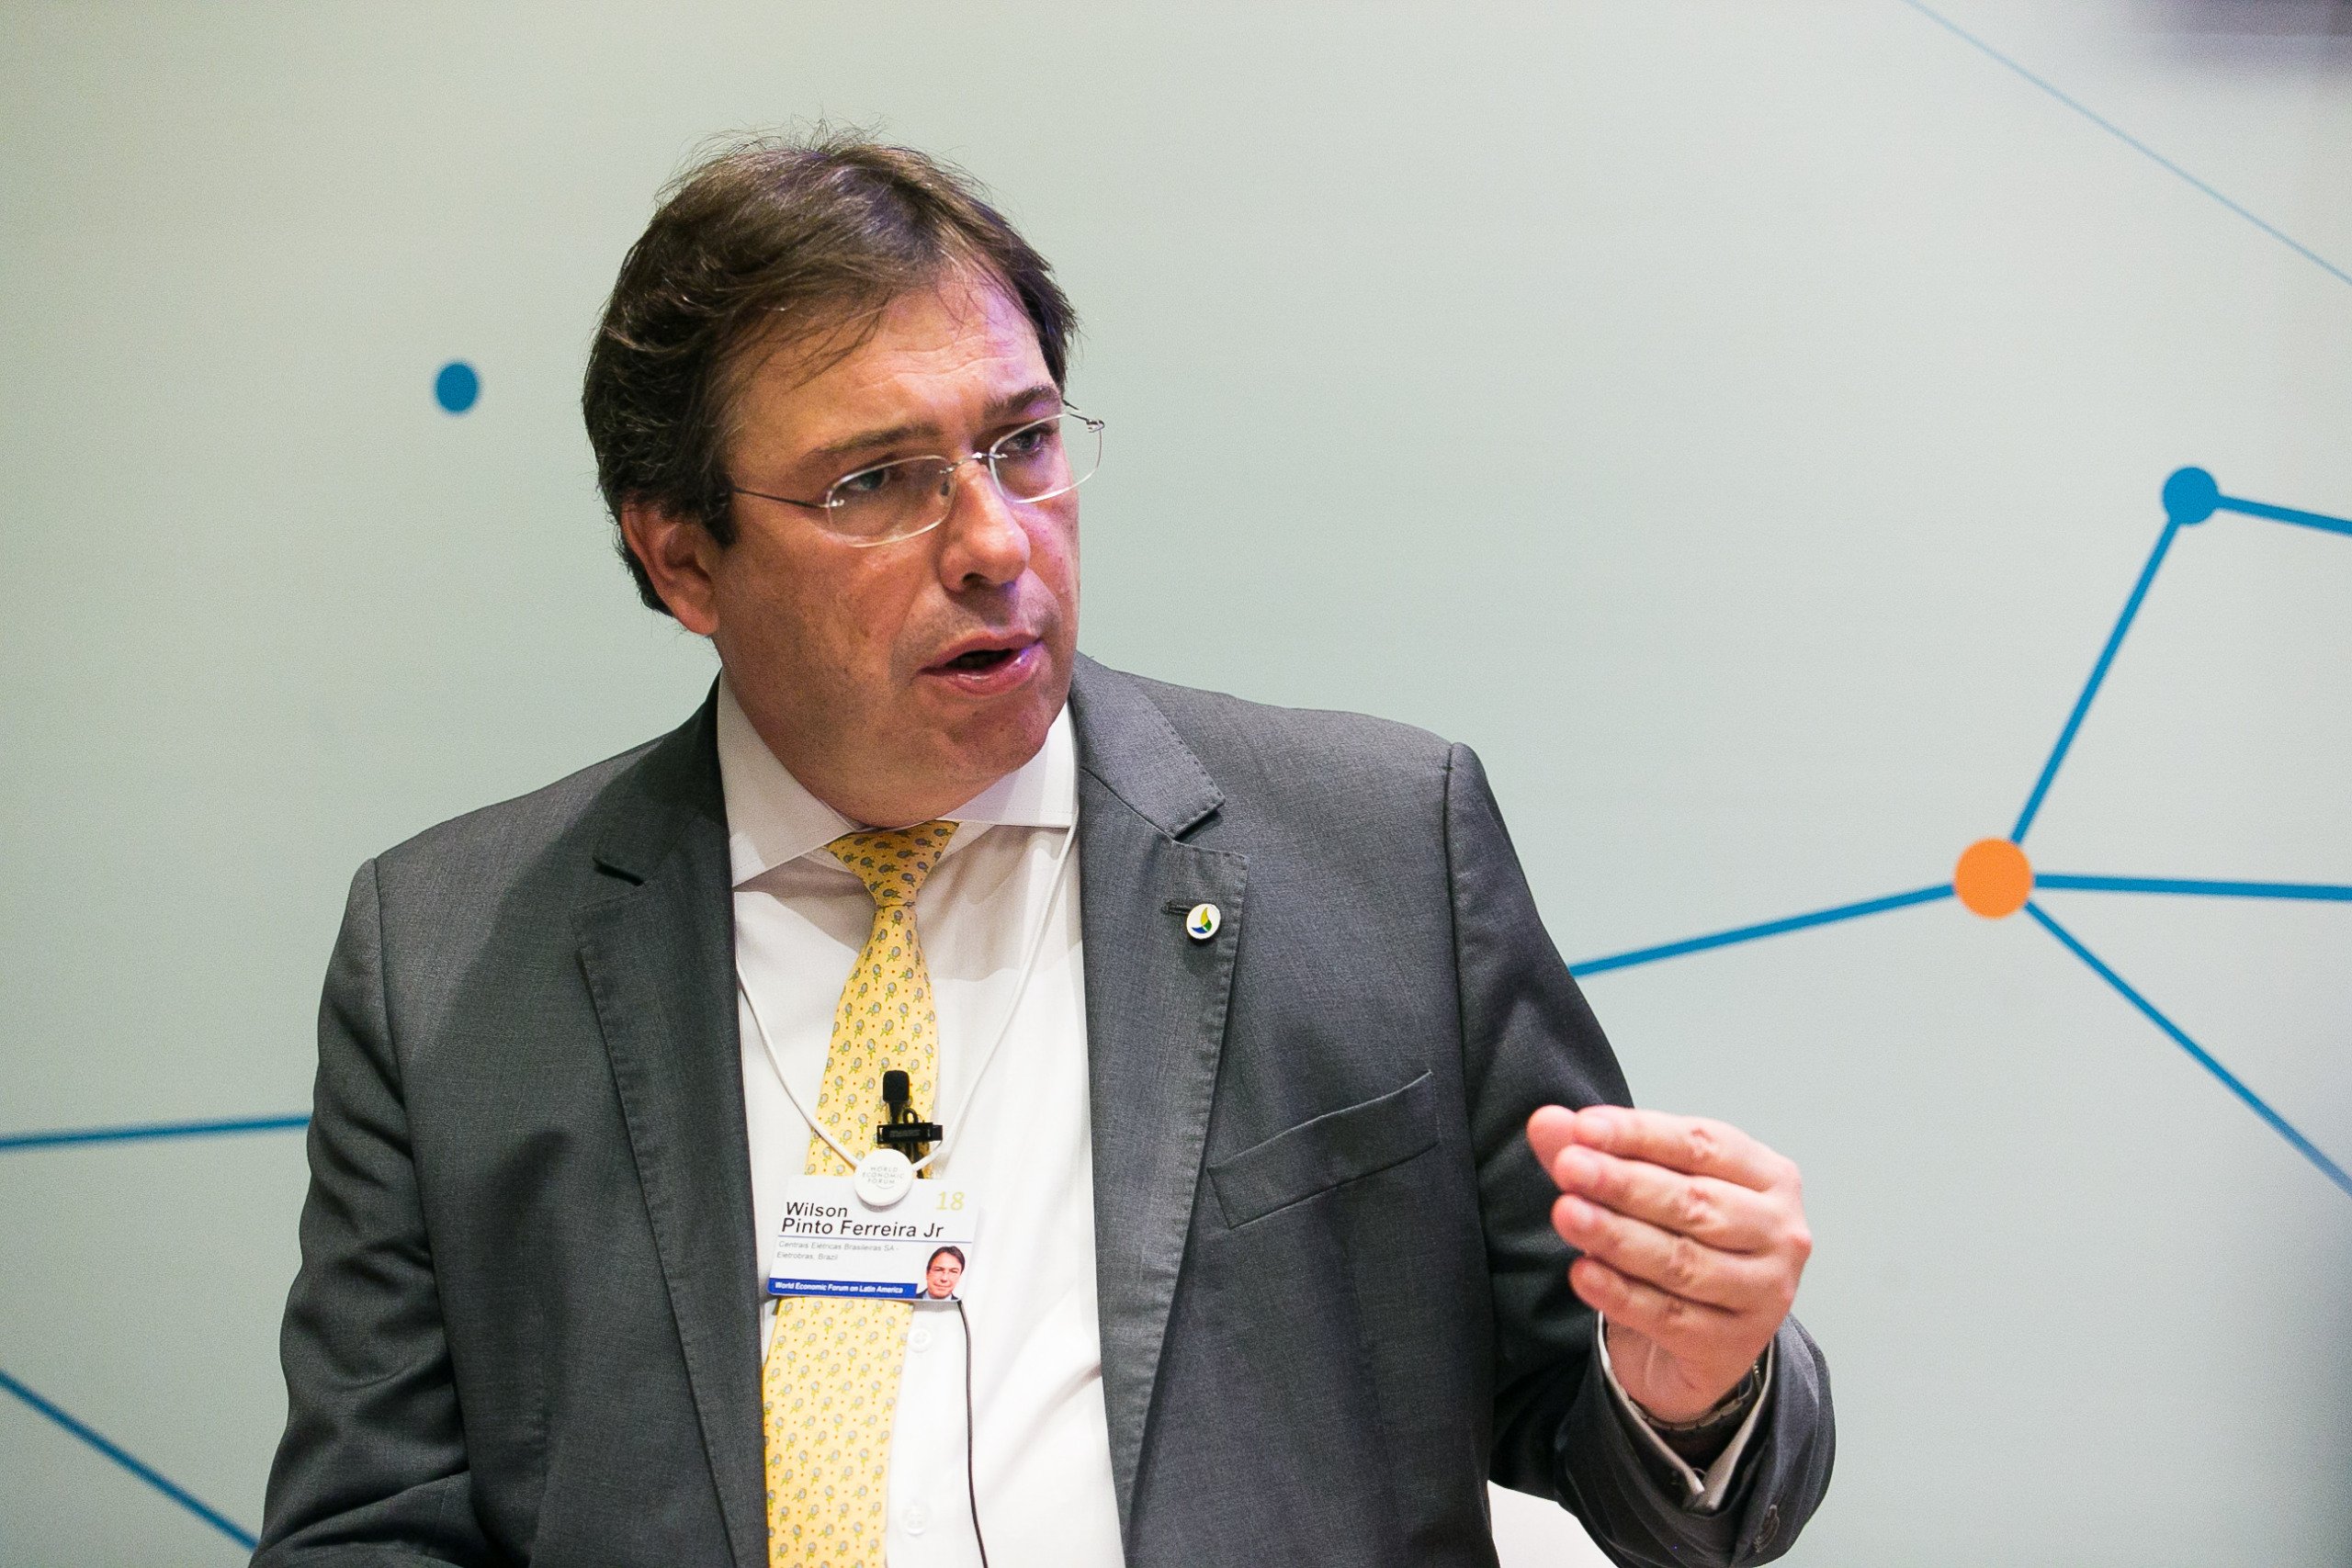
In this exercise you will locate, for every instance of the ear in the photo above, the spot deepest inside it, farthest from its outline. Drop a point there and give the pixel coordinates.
(681, 556)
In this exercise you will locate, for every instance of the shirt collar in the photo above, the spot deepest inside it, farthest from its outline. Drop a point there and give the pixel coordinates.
(773, 818)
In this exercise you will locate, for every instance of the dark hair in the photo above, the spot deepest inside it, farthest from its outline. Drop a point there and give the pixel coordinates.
(804, 235)
(943, 1252)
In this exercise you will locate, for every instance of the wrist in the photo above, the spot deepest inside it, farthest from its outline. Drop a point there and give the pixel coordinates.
(1699, 1440)
(1726, 1412)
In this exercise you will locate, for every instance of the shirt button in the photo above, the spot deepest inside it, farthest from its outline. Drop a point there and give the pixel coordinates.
(914, 1518)
(918, 1339)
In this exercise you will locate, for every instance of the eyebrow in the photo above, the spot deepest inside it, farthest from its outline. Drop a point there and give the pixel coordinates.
(998, 407)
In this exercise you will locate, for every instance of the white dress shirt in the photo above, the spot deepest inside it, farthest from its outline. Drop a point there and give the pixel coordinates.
(1040, 1449)
(1040, 1446)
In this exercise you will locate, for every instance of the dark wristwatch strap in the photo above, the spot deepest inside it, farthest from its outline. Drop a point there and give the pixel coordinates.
(1697, 1442)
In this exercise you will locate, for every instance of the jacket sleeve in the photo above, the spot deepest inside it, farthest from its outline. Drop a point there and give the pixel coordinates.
(372, 1468)
(1529, 1040)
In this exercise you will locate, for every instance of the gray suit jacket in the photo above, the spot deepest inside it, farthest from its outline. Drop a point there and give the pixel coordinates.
(525, 1326)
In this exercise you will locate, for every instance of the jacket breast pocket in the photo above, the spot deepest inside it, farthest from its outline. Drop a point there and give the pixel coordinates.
(1318, 1156)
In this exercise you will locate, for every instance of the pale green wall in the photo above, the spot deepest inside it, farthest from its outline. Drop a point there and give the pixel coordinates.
(1741, 422)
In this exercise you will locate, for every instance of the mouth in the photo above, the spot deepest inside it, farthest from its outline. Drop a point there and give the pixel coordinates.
(983, 666)
(977, 659)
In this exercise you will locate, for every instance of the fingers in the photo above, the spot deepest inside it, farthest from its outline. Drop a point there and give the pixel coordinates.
(1696, 1145)
(1711, 1238)
(1549, 1130)
(1693, 1238)
(1700, 1336)
(1676, 1265)
(1720, 1213)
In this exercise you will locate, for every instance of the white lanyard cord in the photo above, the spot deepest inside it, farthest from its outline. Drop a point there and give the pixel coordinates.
(1028, 967)
(769, 1046)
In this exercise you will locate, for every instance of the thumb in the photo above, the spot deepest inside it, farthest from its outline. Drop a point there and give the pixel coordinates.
(1550, 1130)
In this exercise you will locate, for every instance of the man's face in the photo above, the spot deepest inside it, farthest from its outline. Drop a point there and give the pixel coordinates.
(942, 1279)
(897, 681)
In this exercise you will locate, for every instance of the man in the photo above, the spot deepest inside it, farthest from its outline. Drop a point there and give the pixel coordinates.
(940, 1274)
(1234, 1025)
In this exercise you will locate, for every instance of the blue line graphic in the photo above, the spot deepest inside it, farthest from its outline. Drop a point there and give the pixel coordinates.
(2284, 514)
(2204, 1058)
(2098, 677)
(146, 1129)
(132, 1463)
(2319, 890)
(1768, 928)
(2129, 139)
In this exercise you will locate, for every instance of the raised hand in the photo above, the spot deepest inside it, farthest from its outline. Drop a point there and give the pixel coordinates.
(1693, 1237)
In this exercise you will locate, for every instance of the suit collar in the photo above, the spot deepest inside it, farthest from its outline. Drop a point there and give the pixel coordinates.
(1126, 745)
(668, 797)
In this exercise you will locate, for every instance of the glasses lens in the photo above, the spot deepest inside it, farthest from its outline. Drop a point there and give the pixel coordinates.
(1045, 459)
(888, 499)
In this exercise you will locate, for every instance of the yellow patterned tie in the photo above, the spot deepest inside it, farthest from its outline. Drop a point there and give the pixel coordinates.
(831, 1379)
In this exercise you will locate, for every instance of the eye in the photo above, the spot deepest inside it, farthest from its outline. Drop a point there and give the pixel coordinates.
(1027, 441)
(866, 483)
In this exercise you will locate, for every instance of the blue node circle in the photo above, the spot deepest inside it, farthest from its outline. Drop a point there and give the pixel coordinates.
(2191, 496)
(456, 386)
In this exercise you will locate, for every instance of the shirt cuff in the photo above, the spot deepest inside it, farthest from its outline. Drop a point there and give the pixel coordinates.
(1704, 1494)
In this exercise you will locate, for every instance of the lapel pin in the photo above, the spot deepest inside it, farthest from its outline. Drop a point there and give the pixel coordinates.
(1200, 923)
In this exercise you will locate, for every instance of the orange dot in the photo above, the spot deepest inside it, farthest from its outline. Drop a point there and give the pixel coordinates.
(1994, 878)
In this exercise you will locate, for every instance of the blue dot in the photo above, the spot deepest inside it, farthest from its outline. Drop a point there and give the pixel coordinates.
(456, 386)
(2191, 496)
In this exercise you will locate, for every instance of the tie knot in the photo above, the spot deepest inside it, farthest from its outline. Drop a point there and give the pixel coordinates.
(893, 862)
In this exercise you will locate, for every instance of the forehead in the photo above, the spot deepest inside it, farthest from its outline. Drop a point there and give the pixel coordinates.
(923, 363)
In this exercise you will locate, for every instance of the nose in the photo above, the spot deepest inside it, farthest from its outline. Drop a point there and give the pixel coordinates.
(983, 542)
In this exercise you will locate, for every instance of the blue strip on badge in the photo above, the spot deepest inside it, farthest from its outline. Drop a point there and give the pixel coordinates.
(842, 1288)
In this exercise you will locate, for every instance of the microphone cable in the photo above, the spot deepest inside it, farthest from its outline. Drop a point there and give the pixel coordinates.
(971, 1487)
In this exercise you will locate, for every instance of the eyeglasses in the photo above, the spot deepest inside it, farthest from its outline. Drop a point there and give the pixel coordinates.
(907, 496)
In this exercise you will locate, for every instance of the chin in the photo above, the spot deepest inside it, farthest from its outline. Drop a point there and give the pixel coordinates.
(1008, 740)
(980, 741)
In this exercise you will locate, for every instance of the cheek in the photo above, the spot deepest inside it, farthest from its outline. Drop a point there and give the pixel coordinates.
(816, 616)
(1053, 558)
(755, 579)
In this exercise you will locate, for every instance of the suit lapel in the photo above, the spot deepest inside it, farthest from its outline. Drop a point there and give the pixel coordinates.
(1156, 1004)
(658, 956)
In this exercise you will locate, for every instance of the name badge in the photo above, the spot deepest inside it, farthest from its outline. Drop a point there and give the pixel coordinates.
(833, 1242)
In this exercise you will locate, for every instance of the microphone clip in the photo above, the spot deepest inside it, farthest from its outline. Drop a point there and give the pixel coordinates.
(905, 1131)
